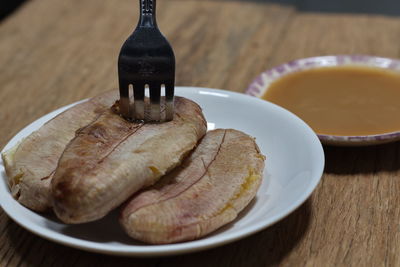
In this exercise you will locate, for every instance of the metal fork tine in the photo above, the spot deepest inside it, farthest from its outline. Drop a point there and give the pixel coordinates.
(138, 94)
(155, 95)
(169, 101)
(124, 99)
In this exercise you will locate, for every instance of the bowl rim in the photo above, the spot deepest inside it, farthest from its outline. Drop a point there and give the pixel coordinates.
(261, 83)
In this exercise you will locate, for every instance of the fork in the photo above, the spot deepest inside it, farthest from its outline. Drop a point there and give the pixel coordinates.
(146, 62)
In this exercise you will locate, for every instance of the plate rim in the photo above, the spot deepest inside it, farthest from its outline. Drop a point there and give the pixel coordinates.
(168, 249)
(261, 83)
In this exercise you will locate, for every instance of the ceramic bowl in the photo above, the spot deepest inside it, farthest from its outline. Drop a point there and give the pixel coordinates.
(262, 83)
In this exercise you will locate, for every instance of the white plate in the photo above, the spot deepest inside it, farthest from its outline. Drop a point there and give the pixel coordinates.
(295, 162)
(262, 82)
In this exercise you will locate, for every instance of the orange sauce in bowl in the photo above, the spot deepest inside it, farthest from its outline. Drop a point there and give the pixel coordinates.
(343, 100)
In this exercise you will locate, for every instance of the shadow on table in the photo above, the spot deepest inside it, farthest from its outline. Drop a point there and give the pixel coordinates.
(266, 248)
(367, 159)
(383, 7)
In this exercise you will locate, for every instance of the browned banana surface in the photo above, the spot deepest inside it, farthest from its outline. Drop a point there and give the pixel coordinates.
(207, 191)
(112, 158)
(30, 164)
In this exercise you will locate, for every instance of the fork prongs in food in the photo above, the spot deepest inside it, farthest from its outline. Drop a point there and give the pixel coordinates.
(155, 96)
(124, 102)
(134, 106)
(138, 111)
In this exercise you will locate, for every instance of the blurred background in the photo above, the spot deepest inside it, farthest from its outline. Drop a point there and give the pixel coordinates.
(384, 7)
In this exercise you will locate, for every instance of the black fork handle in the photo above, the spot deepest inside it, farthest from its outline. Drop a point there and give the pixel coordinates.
(147, 13)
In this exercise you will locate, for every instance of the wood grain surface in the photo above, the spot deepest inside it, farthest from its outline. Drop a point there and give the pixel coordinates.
(56, 52)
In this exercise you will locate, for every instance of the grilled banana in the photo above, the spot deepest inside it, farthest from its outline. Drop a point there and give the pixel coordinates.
(112, 158)
(207, 191)
(30, 164)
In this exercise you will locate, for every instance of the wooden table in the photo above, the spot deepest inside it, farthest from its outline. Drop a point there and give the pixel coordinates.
(56, 52)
